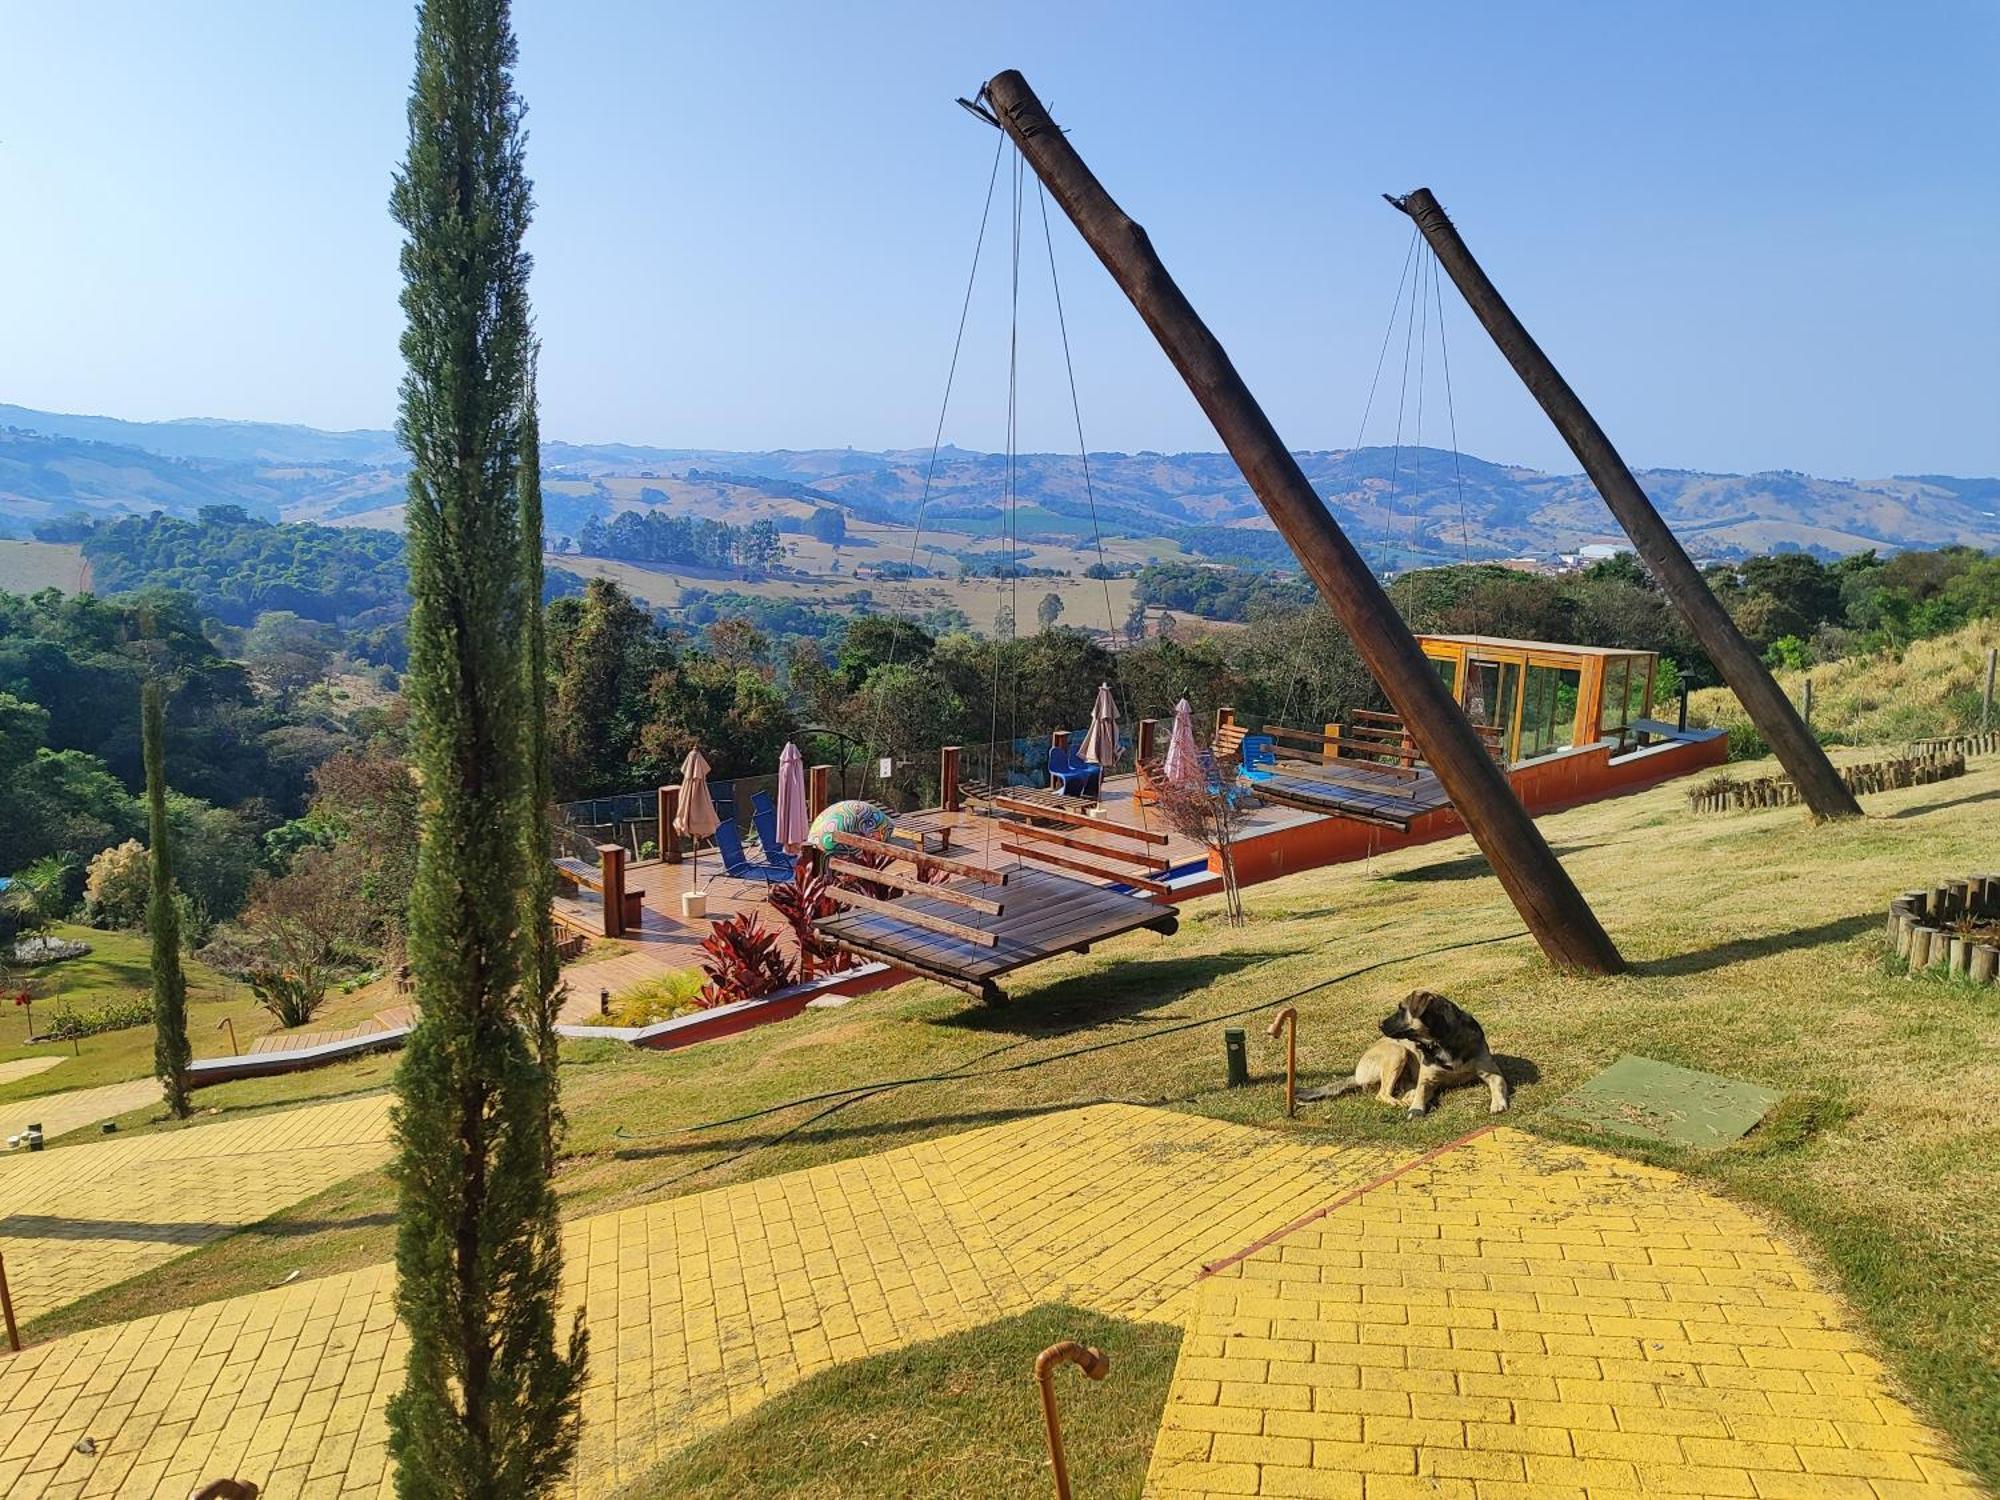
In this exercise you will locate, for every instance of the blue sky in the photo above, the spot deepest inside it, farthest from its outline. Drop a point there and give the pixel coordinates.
(1753, 236)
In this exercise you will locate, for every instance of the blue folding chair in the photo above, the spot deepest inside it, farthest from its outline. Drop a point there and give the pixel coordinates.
(1072, 776)
(764, 813)
(1257, 757)
(737, 865)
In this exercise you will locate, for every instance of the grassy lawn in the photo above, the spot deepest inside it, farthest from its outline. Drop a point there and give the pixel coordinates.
(1755, 951)
(117, 968)
(953, 1417)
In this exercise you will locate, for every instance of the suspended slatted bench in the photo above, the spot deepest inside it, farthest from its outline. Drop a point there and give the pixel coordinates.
(1366, 770)
(966, 924)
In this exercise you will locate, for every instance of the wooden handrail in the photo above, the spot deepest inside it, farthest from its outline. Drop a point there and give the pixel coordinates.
(1079, 820)
(921, 860)
(1151, 887)
(923, 919)
(915, 886)
(1049, 836)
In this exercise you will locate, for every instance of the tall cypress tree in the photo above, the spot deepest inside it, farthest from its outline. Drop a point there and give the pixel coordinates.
(489, 1405)
(171, 1052)
(544, 987)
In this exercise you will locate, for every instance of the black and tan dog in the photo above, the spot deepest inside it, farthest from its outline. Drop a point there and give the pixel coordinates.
(1428, 1045)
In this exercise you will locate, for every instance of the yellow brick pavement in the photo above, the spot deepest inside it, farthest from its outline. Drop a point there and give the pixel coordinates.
(702, 1307)
(699, 1308)
(58, 1114)
(1518, 1318)
(76, 1218)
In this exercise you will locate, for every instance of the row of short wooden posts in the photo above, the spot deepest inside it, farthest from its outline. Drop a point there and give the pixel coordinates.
(1876, 776)
(1937, 928)
(1961, 744)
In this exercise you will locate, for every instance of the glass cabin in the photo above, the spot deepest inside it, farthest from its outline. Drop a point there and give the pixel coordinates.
(1542, 697)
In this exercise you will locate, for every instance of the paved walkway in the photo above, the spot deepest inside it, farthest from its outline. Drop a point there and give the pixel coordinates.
(27, 1067)
(1453, 1330)
(76, 1218)
(74, 1109)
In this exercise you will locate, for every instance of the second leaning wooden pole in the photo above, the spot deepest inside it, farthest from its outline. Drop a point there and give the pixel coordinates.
(1820, 786)
(1549, 902)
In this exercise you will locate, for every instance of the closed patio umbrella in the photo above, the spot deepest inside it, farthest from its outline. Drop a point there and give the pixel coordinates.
(1101, 743)
(1183, 754)
(792, 819)
(694, 812)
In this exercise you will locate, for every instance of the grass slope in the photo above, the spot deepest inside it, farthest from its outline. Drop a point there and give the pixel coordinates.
(1755, 950)
(941, 1420)
(1926, 688)
(29, 567)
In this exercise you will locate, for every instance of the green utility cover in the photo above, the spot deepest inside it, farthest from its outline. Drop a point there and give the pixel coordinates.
(1657, 1101)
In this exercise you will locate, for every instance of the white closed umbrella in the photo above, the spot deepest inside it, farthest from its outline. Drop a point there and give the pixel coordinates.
(694, 813)
(1183, 754)
(792, 822)
(1100, 744)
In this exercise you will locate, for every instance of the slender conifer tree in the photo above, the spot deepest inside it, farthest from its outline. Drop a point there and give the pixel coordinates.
(489, 1405)
(171, 1052)
(544, 987)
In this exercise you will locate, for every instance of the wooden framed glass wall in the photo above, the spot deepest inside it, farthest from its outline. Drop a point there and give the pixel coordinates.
(1542, 696)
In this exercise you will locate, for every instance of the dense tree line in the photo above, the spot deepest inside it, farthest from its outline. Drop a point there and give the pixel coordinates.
(1217, 592)
(657, 536)
(238, 567)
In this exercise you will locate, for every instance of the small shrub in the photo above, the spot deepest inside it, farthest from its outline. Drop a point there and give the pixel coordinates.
(676, 993)
(1745, 743)
(113, 1015)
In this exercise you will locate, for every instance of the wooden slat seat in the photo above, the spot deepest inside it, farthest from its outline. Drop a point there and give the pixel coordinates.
(1045, 914)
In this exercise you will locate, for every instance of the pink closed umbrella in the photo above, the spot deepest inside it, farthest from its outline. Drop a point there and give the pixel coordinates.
(694, 813)
(1183, 754)
(792, 820)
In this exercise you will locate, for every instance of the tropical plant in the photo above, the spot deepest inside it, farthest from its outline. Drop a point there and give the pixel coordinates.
(743, 960)
(800, 900)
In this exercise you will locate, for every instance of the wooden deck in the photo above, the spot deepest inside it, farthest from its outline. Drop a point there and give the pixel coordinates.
(1042, 915)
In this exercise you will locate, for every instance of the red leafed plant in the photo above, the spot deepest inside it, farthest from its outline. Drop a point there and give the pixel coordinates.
(743, 961)
(800, 900)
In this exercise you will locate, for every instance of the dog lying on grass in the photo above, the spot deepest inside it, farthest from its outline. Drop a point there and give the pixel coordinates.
(1428, 1045)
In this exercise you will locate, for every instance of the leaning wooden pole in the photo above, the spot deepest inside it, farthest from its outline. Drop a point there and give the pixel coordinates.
(1820, 786)
(1549, 902)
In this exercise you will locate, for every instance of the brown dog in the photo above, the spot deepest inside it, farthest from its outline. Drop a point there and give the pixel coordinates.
(1428, 1045)
(225, 1489)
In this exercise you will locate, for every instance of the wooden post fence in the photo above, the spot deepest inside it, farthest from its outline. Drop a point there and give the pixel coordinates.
(1769, 709)
(1549, 902)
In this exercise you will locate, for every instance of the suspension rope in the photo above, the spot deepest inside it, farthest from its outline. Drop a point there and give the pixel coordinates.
(874, 743)
(1120, 692)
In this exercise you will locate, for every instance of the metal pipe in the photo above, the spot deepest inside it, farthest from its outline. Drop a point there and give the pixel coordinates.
(1550, 904)
(234, 1050)
(7, 1306)
(1770, 710)
(1289, 1014)
(1093, 1362)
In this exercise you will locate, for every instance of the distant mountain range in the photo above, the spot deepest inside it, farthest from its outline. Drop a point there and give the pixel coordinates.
(1402, 507)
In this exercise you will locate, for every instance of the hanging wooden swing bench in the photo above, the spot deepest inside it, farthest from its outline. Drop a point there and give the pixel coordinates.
(966, 924)
(1366, 771)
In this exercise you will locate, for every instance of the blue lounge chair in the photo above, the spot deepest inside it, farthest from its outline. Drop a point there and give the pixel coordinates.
(1257, 757)
(737, 865)
(1071, 776)
(764, 813)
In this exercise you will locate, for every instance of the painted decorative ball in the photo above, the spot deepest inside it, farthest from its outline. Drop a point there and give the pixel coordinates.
(852, 816)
